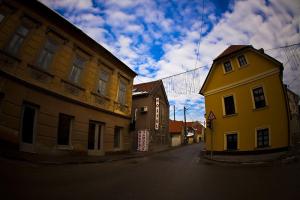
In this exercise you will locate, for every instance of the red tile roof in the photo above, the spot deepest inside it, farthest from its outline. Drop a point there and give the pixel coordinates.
(175, 126)
(146, 87)
(231, 49)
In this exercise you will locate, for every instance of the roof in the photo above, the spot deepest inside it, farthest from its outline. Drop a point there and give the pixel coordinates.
(69, 28)
(148, 87)
(145, 89)
(175, 126)
(234, 49)
(231, 49)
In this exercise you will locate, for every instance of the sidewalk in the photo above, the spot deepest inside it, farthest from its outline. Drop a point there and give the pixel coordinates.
(269, 158)
(76, 159)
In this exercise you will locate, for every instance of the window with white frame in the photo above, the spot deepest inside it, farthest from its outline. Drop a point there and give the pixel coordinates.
(242, 60)
(227, 66)
(16, 41)
(262, 138)
(46, 55)
(77, 69)
(229, 106)
(103, 82)
(259, 97)
(122, 92)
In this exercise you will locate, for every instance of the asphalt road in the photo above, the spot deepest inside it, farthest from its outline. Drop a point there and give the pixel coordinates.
(176, 174)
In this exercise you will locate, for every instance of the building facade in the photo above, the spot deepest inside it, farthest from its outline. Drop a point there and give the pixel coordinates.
(150, 110)
(244, 90)
(294, 118)
(61, 92)
(176, 129)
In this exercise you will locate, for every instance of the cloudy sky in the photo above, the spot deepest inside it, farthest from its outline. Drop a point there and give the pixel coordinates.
(159, 38)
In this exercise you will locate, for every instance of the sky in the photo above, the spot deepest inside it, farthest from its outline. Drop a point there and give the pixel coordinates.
(160, 38)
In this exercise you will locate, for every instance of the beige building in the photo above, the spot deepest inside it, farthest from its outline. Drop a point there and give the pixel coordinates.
(60, 91)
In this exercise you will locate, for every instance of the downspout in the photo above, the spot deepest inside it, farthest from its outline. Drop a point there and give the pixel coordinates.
(284, 87)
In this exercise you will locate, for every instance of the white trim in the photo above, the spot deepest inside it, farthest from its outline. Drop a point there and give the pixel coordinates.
(243, 82)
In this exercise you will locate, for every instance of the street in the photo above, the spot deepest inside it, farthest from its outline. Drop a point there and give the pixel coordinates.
(175, 174)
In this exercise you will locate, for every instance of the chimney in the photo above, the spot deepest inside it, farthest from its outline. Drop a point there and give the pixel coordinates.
(261, 50)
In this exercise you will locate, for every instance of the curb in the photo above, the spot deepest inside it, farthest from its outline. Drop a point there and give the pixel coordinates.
(86, 161)
(283, 159)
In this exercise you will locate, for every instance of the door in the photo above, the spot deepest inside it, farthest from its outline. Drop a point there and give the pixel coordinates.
(95, 138)
(231, 141)
(28, 128)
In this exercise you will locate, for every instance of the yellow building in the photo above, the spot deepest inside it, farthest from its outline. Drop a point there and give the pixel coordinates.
(244, 90)
(60, 91)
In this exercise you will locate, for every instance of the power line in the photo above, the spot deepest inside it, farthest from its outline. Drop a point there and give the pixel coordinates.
(281, 47)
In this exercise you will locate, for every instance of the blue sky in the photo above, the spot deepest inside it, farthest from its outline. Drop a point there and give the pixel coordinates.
(159, 38)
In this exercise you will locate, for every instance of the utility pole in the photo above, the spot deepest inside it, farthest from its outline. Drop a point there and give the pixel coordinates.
(174, 112)
(185, 133)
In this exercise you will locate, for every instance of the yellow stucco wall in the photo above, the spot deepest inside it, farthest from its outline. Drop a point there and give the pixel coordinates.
(247, 119)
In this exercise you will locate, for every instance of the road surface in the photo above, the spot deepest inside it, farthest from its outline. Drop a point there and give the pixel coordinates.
(176, 174)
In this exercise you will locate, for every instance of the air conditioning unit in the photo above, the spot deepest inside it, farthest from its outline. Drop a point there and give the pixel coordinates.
(144, 109)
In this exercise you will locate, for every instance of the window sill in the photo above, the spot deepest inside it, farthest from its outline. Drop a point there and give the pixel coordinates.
(16, 58)
(242, 67)
(231, 115)
(262, 108)
(262, 148)
(100, 95)
(73, 84)
(40, 70)
(64, 147)
(225, 73)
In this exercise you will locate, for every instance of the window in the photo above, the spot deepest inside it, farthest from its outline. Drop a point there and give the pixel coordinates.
(263, 138)
(232, 141)
(103, 81)
(117, 137)
(242, 60)
(227, 66)
(45, 58)
(64, 129)
(259, 97)
(122, 93)
(17, 40)
(77, 68)
(229, 105)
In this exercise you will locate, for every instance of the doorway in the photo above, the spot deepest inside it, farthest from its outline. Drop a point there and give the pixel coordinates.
(28, 127)
(95, 138)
